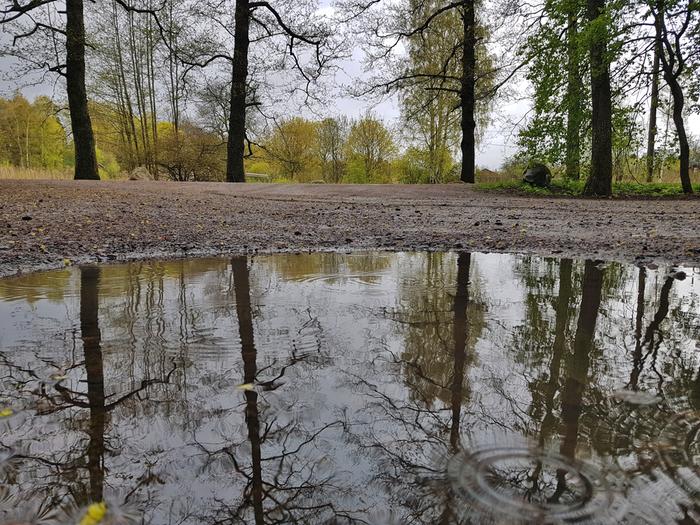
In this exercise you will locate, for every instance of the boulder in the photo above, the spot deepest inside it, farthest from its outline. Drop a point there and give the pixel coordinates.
(537, 175)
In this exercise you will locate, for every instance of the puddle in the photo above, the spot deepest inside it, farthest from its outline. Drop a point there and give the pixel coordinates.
(369, 388)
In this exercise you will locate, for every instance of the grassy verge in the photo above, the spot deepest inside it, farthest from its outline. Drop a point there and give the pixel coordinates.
(575, 188)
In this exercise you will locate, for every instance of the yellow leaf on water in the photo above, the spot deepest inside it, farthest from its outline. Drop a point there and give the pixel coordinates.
(6, 412)
(94, 514)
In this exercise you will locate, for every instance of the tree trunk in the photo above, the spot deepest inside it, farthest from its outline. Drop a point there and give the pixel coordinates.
(653, 106)
(573, 103)
(235, 148)
(684, 146)
(600, 179)
(467, 92)
(83, 138)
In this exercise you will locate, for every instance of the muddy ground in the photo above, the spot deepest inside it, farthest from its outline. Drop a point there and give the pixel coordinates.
(46, 224)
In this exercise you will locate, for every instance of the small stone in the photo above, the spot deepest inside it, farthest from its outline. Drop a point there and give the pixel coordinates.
(26, 217)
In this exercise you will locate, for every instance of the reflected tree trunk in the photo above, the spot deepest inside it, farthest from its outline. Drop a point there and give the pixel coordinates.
(661, 313)
(460, 333)
(241, 284)
(558, 348)
(649, 335)
(578, 367)
(91, 337)
(639, 318)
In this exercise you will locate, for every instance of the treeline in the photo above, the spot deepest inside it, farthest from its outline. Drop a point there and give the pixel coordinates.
(338, 150)
(31, 135)
(195, 90)
(36, 135)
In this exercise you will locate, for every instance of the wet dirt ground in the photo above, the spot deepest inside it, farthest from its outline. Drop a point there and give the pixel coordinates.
(48, 224)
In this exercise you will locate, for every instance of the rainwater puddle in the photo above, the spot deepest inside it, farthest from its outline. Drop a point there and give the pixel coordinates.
(364, 388)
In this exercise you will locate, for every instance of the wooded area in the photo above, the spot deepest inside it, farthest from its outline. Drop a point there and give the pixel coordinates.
(192, 91)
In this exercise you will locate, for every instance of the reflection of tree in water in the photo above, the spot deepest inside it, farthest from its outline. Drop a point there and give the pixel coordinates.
(32, 287)
(58, 475)
(439, 311)
(440, 318)
(135, 436)
(282, 486)
(612, 426)
(276, 452)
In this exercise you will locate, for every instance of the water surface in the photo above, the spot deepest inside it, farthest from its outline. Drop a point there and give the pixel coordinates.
(363, 388)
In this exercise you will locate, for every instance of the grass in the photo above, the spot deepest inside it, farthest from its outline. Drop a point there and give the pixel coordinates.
(13, 172)
(575, 188)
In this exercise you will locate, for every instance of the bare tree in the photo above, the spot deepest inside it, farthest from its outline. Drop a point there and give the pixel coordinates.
(36, 18)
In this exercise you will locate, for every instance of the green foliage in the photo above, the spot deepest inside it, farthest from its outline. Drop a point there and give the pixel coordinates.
(370, 150)
(429, 96)
(558, 68)
(416, 166)
(31, 136)
(107, 164)
(291, 150)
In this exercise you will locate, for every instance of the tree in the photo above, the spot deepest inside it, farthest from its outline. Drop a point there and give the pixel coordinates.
(557, 132)
(574, 91)
(73, 69)
(31, 136)
(291, 149)
(247, 12)
(190, 153)
(463, 68)
(430, 113)
(332, 134)
(677, 26)
(600, 178)
(370, 148)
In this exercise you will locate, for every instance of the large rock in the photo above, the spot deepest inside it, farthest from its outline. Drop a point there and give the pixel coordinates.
(140, 173)
(538, 175)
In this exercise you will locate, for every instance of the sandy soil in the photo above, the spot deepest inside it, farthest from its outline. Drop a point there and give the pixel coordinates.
(46, 224)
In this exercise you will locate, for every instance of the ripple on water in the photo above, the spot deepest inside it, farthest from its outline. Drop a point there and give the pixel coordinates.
(7, 461)
(636, 397)
(526, 485)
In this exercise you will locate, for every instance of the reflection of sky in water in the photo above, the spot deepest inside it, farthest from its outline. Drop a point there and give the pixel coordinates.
(357, 403)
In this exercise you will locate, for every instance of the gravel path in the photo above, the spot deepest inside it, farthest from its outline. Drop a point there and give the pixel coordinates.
(46, 224)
